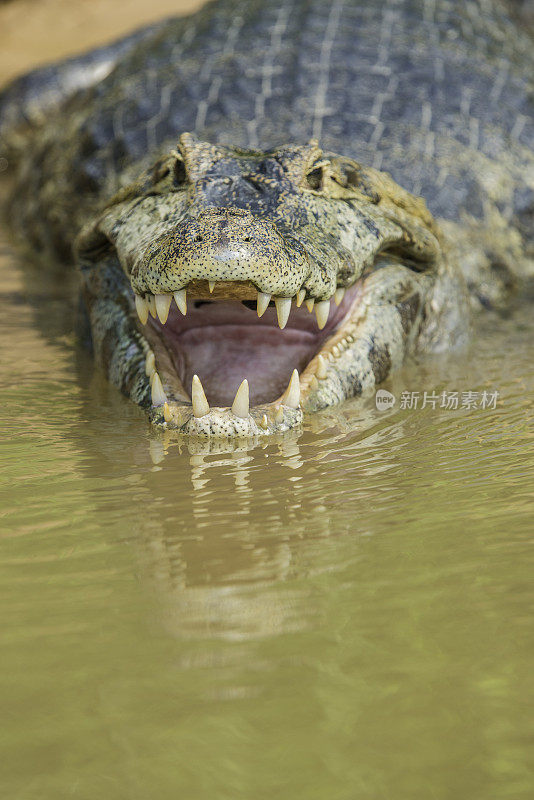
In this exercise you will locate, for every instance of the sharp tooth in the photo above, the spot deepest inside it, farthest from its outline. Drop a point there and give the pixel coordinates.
(314, 383)
(283, 307)
(336, 351)
(163, 304)
(151, 304)
(322, 310)
(321, 368)
(181, 301)
(310, 303)
(211, 285)
(141, 306)
(240, 405)
(150, 363)
(200, 404)
(278, 414)
(158, 395)
(338, 295)
(291, 396)
(263, 302)
(264, 422)
(167, 412)
(301, 294)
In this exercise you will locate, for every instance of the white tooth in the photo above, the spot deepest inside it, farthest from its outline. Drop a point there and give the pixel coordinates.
(283, 307)
(181, 301)
(309, 304)
(263, 302)
(291, 396)
(200, 404)
(314, 383)
(301, 294)
(141, 306)
(338, 296)
(321, 368)
(163, 304)
(240, 405)
(322, 310)
(158, 395)
(336, 351)
(151, 304)
(167, 412)
(150, 363)
(211, 285)
(278, 414)
(264, 422)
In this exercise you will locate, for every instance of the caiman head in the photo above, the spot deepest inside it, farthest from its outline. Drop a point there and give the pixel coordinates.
(228, 290)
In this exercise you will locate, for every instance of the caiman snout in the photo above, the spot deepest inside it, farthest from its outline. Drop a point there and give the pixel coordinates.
(230, 234)
(222, 245)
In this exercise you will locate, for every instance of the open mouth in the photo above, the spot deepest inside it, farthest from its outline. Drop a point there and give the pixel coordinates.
(228, 346)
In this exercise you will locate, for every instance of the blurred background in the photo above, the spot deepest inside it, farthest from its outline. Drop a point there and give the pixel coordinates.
(35, 32)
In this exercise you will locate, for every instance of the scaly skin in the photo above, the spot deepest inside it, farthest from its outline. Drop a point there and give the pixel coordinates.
(440, 96)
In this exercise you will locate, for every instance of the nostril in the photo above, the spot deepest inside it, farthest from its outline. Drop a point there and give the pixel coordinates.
(254, 183)
(247, 239)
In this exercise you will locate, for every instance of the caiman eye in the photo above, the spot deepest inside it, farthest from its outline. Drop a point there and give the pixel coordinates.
(315, 179)
(347, 176)
(179, 175)
(161, 170)
(351, 175)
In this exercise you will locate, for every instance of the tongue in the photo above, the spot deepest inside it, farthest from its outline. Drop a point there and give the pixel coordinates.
(223, 355)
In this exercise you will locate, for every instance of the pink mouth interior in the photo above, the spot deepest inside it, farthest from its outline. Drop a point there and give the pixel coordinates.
(224, 342)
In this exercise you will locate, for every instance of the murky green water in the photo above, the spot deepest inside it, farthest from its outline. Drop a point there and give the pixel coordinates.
(343, 614)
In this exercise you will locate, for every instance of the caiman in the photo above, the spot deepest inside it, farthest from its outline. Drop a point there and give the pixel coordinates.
(242, 188)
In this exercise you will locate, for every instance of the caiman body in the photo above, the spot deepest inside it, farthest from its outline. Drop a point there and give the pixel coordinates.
(230, 187)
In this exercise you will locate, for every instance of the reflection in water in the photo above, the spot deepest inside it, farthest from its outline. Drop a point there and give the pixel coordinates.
(342, 612)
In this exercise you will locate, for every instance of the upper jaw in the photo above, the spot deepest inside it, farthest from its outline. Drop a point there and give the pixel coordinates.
(228, 249)
(278, 258)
